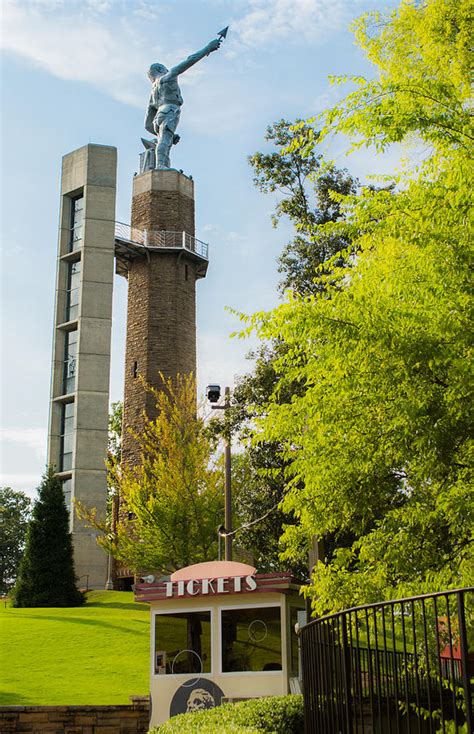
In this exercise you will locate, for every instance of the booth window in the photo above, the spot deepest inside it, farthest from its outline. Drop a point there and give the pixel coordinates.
(251, 639)
(183, 643)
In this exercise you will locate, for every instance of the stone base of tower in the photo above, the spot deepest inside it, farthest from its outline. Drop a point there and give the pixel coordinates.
(163, 200)
(90, 561)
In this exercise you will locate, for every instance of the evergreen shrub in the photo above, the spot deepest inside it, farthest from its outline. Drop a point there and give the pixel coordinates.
(273, 714)
(46, 575)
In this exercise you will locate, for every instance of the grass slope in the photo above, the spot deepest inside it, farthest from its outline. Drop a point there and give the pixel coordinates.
(95, 654)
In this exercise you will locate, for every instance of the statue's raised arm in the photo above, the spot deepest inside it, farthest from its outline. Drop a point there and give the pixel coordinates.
(194, 58)
(164, 107)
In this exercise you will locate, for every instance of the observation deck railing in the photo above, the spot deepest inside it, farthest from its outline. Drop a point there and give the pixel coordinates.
(160, 239)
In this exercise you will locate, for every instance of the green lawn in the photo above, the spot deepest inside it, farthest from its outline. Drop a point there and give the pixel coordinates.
(95, 654)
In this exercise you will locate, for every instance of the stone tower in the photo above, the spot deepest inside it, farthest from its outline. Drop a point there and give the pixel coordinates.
(161, 319)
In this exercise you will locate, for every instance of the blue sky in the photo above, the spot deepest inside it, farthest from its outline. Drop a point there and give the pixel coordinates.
(73, 72)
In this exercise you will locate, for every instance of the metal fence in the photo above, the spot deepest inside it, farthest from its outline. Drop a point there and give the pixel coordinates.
(160, 239)
(392, 668)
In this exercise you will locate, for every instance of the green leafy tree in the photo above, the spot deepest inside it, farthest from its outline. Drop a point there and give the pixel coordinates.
(257, 476)
(114, 448)
(46, 575)
(378, 446)
(308, 194)
(260, 523)
(306, 188)
(114, 457)
(172, 502)
(14, 514)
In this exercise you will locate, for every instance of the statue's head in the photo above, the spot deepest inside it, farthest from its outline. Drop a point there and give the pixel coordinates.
(155, 71)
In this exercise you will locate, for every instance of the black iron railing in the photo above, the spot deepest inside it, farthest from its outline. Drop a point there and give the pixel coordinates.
(393, 668)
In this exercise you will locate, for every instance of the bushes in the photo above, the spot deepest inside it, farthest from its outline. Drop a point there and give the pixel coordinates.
(275, 714)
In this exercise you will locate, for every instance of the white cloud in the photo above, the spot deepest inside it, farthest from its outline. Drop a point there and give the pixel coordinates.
(73, 44)
(26, 483)
(30, 438)
(145, 10)
(24, 448)
(99, 6)
(23, 458)
(270, 21)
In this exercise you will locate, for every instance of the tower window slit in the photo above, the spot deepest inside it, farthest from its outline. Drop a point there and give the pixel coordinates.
(70, 357)
(66, 438)
(72, 293)
(76, 223)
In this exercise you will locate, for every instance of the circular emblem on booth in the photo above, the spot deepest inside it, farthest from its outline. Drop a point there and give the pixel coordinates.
(184, 657)
(195, 695)
(257, 630)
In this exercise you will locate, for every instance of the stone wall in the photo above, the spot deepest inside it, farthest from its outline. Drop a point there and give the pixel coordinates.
(168, 210)
(75, 719)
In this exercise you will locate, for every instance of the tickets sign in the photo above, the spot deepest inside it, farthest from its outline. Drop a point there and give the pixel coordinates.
(230, 585)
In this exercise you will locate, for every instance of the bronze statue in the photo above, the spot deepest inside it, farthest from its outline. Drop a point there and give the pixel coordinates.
(164, 107)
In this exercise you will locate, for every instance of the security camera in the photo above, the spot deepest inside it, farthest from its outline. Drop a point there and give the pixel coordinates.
(213, 393)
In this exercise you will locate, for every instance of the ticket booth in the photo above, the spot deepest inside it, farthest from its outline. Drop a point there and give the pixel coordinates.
(220, 631)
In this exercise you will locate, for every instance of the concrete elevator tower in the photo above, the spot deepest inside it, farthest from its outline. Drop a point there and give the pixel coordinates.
(162, 275)
(77, 437)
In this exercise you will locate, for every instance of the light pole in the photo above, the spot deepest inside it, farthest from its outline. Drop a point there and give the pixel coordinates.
(86, 577)
(221, 533)
(109, 584)
(213, 394)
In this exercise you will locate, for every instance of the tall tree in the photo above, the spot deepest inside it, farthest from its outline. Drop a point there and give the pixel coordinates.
(46, 575)
(14, 514)
(172, 502)
(309, 194)
(379, 444)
